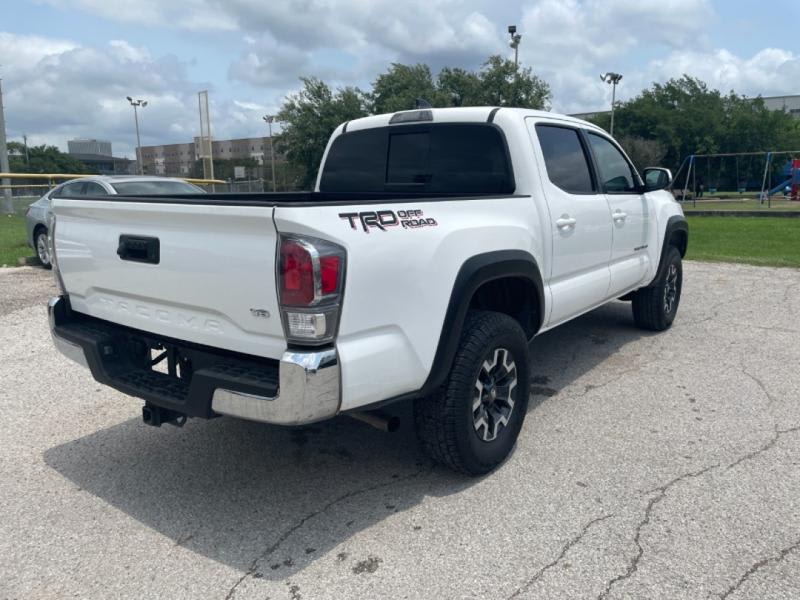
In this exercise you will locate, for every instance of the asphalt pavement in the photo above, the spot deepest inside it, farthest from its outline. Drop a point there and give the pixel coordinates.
(649, 466)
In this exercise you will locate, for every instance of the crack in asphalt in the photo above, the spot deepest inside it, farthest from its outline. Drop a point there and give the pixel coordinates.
(566, 548)
(662, 492)
(302, 521)
(778, 329)
(758, 565)
(758, 381)
(764, 447)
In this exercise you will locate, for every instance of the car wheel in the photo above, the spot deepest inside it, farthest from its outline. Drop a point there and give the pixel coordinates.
(472, 423)
(655, 307)
(43, 249)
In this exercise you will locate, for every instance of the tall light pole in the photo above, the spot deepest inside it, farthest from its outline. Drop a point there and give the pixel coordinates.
(516, 38)
(136, 104)
(268, 119)
(612, 79)
(7, 205)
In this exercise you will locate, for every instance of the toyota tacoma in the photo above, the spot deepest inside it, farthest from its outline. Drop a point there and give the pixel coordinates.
(437, 244)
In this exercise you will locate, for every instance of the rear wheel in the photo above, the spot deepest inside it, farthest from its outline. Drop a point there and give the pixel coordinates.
(43, 248)
(655, 307)
(472, 423)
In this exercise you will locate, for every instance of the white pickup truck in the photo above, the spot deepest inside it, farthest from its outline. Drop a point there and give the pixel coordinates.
(436, 245)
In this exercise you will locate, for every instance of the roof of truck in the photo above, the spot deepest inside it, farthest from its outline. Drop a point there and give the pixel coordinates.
(466, 114)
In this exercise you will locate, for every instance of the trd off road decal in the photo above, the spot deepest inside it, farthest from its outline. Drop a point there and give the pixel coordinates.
(384, 219)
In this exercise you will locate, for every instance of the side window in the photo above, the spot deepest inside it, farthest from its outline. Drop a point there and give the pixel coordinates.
(94, 189)
(616, 172)
(565, 159)
(73, 189)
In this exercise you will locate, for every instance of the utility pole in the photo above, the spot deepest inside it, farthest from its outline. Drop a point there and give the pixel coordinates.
(8, 206)
(613, 79)
(516, 38)
(27, 156)
(136, 104)
(269, 119)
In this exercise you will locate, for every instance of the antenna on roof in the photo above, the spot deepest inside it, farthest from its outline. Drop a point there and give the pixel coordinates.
(422, 103)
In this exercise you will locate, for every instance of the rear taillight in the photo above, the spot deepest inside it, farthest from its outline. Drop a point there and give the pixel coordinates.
(310, 285)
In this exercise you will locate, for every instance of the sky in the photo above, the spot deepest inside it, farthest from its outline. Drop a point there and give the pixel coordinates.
(67, 65)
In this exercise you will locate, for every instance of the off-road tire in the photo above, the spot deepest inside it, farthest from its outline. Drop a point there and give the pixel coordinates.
(445, 421)
(651, 309)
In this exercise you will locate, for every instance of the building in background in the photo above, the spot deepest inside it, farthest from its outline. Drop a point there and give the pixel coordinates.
(96, 147)
(181, 160)
(789, 104)
(97, 156)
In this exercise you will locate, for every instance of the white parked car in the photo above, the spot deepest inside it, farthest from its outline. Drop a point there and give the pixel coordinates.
(436, 245)
(96, 185)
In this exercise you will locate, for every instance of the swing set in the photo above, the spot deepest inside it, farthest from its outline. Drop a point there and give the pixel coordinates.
(739, 173)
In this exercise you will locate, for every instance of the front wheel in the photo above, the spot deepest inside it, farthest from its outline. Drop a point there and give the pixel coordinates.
(655, 307)
(43, 249)
(472, 423)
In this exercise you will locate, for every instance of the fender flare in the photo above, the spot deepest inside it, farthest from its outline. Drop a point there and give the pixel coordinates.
(475, 272)
(674, 223)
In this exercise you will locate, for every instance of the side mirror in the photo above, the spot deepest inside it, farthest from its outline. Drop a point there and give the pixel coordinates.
(656, 178)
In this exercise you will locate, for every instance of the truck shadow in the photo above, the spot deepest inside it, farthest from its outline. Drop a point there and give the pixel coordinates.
(269, 500)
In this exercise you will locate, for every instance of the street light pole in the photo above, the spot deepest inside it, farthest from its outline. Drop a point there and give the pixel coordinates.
(136, 104)
(516, 38)
(269, 119)
(613, 79)
(7, 204)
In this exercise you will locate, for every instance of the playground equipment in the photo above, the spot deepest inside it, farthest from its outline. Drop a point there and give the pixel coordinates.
(738, 172)
(790, 186)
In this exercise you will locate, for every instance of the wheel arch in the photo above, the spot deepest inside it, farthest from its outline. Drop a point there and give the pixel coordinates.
(676, 234)
(508, 271)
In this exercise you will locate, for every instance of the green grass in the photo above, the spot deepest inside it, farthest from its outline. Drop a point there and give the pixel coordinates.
(12, 240)
(778, 203)
(767, 241)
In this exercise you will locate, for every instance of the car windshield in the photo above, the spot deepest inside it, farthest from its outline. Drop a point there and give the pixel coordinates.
(167, 186)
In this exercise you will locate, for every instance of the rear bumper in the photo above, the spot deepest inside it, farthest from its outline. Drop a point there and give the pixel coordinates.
(302, 387)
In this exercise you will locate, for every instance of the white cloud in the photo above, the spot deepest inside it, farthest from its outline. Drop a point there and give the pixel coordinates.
(570, 42)
(56, 90)
(192, 15)
(769, 72)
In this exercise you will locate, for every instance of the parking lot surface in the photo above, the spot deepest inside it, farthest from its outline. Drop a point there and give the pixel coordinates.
(650, 466)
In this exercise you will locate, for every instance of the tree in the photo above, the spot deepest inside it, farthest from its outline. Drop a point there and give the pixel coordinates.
(43, 159)
(687, 117)
(501, 84)
(308, 119)
(401, 85)
(458, 87)
(644, 153)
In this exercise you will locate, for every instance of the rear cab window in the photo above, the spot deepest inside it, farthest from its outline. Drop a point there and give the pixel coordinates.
(448, 158)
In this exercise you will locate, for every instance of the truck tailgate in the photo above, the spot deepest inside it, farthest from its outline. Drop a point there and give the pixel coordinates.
(212, 281)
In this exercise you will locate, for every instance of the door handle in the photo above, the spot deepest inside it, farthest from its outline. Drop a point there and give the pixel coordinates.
(619, 215)
(565, 222)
